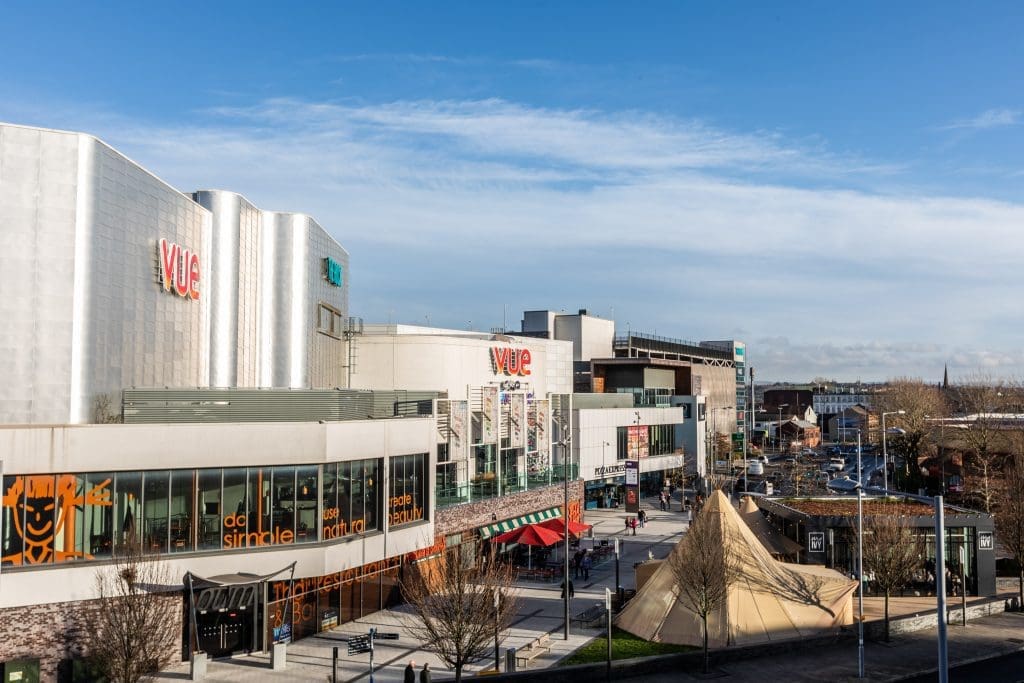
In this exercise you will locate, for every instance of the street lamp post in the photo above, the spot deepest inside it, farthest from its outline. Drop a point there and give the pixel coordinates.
(885, 451)
(565, 441)
(617, 584)
(497, 605)
(860, 565)
(778, 432)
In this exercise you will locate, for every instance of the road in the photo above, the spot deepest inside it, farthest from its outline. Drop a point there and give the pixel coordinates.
(997, 670)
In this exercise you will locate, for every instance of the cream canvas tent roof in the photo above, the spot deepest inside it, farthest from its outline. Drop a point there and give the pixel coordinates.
(771, 601)
(774, 541)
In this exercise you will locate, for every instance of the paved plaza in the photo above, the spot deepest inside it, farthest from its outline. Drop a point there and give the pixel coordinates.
(541, 611)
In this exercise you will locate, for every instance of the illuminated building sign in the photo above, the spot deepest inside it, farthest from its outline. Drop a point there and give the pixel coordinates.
(179, 269)
(512, 362)
(333, 272)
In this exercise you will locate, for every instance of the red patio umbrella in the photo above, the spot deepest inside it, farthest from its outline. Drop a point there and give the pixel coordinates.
(557, 524)
(529, 535)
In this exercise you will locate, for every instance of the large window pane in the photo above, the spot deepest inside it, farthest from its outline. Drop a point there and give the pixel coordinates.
(407, 490)
(284, 503)
(261, 520)
(371, 499)
(234, 510)
(345, 494)
(68, 544)
(13, 520)
(358, 490)
(329, 502)
(99, 514)
(210, 509)
(181, 527)
(307, 494)
(156, 511)
(128, 509)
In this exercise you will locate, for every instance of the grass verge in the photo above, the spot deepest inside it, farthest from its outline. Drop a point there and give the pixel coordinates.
(624, 646)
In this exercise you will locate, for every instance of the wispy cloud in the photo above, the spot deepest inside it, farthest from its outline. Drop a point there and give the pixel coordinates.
(682, 227)
(991, 118)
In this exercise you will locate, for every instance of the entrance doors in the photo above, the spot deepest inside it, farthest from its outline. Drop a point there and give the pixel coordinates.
(223, 633)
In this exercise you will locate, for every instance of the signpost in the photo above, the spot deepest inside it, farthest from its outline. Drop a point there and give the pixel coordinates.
(358, 645)
(632, 486)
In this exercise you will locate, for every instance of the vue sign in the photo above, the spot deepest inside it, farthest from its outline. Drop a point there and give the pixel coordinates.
(179, 269)
(333, 272)
(513, 362)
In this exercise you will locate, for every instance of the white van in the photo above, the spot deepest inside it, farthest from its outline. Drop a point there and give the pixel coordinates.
(755, 467)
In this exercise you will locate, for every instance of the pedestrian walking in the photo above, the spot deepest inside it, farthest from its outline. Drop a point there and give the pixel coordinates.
(586, 563)
(572, 590)
(576, 565)
(632, 525)
(627, 523)
(425, 674)
(643, 518)
(410, 672)
(661, 502)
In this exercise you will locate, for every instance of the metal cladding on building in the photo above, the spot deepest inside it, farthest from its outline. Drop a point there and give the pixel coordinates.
(125, 281)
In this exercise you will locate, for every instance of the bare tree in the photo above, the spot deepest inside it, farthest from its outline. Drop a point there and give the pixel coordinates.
(892, 553)
(980, 397)
(137, 618)
(920, 402)
(453, 606)
(703, 569)
(1009, 518)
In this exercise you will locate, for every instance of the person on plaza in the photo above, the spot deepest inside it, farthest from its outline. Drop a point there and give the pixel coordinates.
(627, 524)
(586, 563)
(572, 590)
(410, 672)
(642, 516)
(575, 563)
(661, 502)
(632, 525)
(425, 674)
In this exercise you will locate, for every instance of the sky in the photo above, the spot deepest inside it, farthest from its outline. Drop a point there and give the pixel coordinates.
(839, 185)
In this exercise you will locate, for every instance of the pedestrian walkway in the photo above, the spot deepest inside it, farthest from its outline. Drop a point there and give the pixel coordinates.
(541, 611)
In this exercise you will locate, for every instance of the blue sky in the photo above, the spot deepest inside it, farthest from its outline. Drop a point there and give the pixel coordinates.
(836, 184)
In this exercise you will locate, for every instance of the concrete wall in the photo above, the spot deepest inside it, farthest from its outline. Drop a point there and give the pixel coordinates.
(454, 364)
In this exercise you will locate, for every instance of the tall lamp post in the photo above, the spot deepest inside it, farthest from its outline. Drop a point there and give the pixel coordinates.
(860, 565)
(778, 432)
(564, 442)
(885, 450)
(497, 605)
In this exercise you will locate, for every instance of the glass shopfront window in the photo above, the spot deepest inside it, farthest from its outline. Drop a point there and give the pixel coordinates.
(180, 525)
(128, 509)
(155, 506)
(407, 496)
(306, 497)
(66, 517)
(209, 486)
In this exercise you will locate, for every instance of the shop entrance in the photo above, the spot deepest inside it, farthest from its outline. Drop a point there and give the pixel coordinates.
(221, 634)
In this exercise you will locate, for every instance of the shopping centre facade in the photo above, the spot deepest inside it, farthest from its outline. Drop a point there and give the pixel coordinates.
(181, 375)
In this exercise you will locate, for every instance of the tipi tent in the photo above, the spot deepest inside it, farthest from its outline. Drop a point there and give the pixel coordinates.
(771, 601)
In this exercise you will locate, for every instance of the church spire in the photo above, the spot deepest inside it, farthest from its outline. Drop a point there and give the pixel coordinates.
(945, 376)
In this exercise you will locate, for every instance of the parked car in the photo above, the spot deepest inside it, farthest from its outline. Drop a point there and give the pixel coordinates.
(835, 465)
(755, 467)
